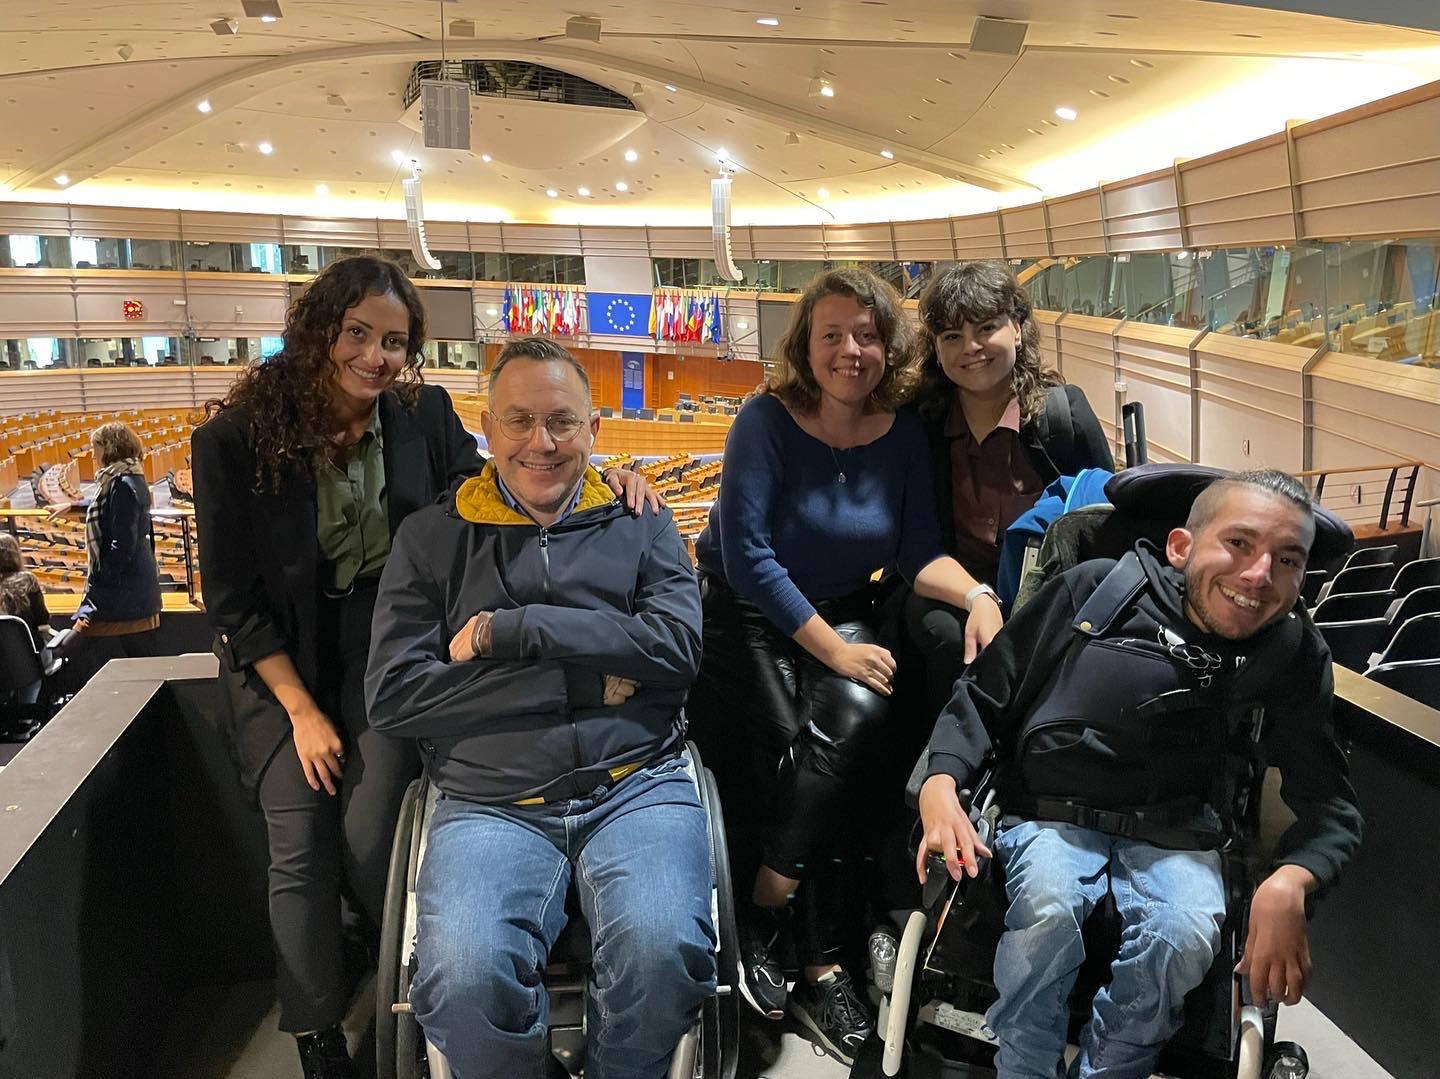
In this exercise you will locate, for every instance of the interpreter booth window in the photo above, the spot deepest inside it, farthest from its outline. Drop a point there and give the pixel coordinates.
(119, 253)
(1043, 279)
(1091, 288)
(453, 355)
(1383, 303)
(547, 269)
(312, 258)
(231, 351)
(205, 256)
(454, 265)
(35, 252)
(30, 354)
(1161, 288)
(491, 265)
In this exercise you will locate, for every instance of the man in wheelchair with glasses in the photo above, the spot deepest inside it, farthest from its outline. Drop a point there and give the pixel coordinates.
(539, 641)
(1120, 709)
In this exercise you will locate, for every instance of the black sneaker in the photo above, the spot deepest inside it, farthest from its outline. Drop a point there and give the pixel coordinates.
(762, 980)
(324, 1055)
(834, 1013)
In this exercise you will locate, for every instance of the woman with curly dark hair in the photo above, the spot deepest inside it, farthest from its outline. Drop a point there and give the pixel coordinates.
(302, 474)
(1001, 427)
(825, 483)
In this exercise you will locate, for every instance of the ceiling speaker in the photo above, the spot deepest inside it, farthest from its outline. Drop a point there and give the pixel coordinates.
(445, 113)
(583, 28)
(998, 35)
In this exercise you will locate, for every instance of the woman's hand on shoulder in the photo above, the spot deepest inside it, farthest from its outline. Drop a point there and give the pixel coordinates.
(633, 490)
(982, 624)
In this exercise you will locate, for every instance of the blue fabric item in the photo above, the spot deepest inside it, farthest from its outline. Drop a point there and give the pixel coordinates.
(785, 533)
(1063, 495)
(1171, 904)
(491, 898)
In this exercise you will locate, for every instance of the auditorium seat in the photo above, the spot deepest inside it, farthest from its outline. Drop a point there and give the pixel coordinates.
(1369, 556)
(1350, 606)
(1425, 600)
(1360, 579)
(1417, 638)
(1417, 679)
(1421, 573)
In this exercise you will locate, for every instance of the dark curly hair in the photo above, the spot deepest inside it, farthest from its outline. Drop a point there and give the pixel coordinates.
(794, 383)
(976, 292)
(288, 395)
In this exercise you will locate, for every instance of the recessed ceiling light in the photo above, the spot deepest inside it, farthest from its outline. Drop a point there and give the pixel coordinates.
(1065, 112)
(768, 21)
(583, 192)
(621, 185)
(722, 155)
(887, 155)
(1098, 93)
(827, 90)
(672, 89)
(267, 18)
(485, 158)
(552, 193)
(631, 155)
(824, 193)
(63, 179)
(203, 106)
(1142, 63)
(397, 156)
(322, 190)
(265, 148)
(1121, 79)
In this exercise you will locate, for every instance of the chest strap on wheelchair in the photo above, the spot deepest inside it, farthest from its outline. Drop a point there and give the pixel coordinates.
(1176, 827)
(1112, 596)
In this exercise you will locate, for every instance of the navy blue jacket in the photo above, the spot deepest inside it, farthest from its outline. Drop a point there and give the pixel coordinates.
(125, 584)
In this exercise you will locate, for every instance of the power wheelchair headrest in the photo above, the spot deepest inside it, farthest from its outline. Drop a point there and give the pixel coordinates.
(1167, 491)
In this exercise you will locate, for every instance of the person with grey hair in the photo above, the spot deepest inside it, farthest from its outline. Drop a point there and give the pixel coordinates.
(1119, 709)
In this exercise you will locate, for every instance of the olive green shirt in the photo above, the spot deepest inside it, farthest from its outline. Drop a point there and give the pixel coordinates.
(351, 521)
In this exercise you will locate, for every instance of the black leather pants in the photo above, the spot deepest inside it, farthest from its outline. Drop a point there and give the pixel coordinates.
(787, 739)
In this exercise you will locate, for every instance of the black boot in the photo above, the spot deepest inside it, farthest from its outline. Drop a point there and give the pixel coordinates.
(324, 1055)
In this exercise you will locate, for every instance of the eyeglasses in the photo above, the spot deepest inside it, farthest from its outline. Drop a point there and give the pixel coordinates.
(561, 426)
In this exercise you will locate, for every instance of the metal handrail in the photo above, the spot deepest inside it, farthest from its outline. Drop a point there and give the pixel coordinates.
(1395, 467)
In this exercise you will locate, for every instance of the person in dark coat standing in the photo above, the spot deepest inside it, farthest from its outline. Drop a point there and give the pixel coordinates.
(302, 475)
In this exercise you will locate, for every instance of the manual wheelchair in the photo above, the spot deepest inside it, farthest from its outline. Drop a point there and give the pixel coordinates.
(710, 1050)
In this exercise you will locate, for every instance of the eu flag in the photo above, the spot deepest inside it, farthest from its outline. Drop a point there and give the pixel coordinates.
(619, 314)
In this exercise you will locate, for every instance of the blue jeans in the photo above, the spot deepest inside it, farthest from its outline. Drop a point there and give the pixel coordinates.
(1171, 905)
(491, 898)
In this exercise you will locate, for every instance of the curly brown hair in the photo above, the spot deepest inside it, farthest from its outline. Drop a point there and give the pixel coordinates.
(794, 383)
(976, 292)
(288, 395)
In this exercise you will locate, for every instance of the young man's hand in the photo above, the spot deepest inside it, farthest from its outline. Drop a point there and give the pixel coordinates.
(1277, 952)
(947, 829)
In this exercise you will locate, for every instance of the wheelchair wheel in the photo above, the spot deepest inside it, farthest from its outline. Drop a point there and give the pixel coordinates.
(391, 977)
(720, 1017)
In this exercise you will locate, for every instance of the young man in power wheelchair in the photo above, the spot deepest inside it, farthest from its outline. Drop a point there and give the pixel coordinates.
(1128, 711)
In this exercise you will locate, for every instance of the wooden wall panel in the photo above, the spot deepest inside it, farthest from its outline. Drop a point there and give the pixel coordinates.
(1077, 226)
(978, 237)
(924, 241)
(614, 241)
(34, 218)
(804, 242)
(457, 382)
(866, 243)
(232, 228)
(1143, 214)
(683, 243)
(25, 391)
(667, 377)
(36, 305)
(333, 232)
(1240, 197)
(486, 236)
(1087, 358)
(542, 239)
(1249, 402)
(1372, 171)
(100, 297)
(1048, 324)
(127, 221)
(1365, 411)
(233, 306)
(212, 383)
(1025, 232)
(1154, 364)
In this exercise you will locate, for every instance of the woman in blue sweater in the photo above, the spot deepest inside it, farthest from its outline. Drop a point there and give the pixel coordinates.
(823, 485)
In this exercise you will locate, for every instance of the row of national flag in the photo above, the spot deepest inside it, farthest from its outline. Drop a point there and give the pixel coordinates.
(679, 315)
(549, 311)
(685, 315)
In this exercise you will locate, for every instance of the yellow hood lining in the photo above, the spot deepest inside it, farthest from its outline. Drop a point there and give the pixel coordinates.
(479, 500)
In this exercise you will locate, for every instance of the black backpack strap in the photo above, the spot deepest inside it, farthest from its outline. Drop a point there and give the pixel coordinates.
(1057, 430)
(1112, 596)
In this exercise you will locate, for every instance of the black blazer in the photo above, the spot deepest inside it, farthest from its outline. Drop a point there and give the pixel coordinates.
(125, 584)
(1057, 453)
(260, 559)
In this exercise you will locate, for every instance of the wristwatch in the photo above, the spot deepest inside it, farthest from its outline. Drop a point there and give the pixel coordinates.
(978, 591)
